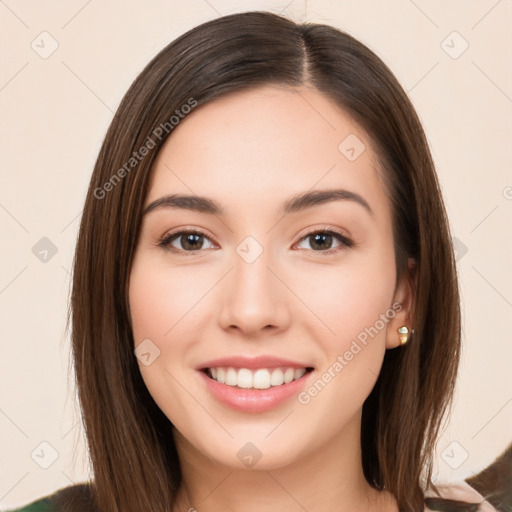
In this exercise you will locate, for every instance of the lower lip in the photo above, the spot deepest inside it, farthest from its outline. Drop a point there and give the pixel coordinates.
(254, 400)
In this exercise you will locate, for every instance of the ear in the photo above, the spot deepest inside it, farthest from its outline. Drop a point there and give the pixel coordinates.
(403, 304)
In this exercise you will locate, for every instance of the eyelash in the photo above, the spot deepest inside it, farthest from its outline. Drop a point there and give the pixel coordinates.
(167, 239)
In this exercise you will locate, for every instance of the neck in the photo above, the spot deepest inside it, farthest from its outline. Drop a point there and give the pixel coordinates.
(328, 479)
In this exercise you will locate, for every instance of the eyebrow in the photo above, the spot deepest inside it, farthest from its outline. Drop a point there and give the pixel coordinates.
(294, 204)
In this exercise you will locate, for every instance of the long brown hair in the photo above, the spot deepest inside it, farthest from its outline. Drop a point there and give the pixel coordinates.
(130, 441)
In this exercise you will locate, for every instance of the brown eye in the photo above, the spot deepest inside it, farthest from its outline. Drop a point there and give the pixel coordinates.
(322, 241)
(187, 241)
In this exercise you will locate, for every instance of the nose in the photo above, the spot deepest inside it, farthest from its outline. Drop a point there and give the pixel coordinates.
(254, 298)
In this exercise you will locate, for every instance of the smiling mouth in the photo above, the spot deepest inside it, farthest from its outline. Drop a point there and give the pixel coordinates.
(260, 378)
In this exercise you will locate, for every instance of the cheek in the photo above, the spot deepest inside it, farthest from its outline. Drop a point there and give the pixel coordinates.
(361, 301)
(356, 306)
(349, 298)
(162, 310)
(161, 307)
(161, 301)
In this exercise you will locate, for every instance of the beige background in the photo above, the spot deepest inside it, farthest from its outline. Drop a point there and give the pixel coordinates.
(55, 111)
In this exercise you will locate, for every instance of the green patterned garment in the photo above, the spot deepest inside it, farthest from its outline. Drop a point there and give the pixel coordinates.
(40, 505)
(73, 497)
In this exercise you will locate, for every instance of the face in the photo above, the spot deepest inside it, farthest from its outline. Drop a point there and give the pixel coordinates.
(292, 303)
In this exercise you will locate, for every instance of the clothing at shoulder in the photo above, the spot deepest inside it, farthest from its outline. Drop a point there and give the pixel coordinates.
(40, 505)
(79, 497)
(460, 491)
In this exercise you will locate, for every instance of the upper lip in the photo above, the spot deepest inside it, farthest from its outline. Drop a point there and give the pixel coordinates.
(252, 362)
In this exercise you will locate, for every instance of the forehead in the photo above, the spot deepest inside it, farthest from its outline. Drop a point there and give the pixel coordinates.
(265, 144)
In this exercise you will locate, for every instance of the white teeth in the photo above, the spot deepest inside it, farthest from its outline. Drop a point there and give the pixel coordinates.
(261, 378)
(299, 372)
(276, 378)
(244, 378)
(231, 378)
(288, 375)
(221, 375)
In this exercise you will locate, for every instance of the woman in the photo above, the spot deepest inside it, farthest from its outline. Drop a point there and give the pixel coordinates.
(265, 309)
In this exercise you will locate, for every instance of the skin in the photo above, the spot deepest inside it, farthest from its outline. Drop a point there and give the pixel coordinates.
(250, 151)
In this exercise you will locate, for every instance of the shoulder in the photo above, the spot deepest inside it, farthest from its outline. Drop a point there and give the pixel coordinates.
(78, 497)
(457, 491)
(40, 505)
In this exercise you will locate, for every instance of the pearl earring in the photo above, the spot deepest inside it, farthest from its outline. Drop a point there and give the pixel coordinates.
(403, 334)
